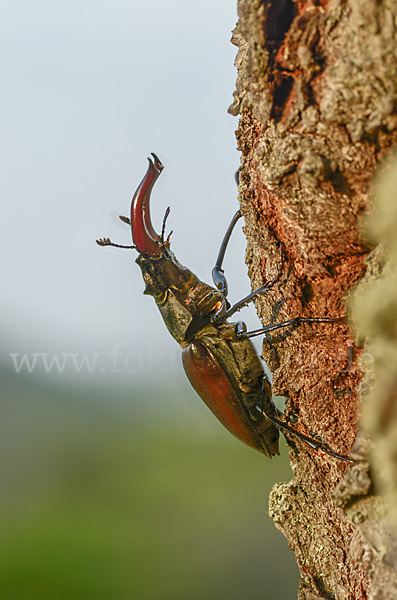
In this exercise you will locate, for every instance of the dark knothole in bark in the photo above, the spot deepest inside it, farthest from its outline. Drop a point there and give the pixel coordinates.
(280, 96)
(279, 16)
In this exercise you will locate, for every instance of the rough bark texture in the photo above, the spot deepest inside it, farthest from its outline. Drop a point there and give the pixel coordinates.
(316, 91)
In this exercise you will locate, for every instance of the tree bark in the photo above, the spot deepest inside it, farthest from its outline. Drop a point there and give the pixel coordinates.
(316, 91)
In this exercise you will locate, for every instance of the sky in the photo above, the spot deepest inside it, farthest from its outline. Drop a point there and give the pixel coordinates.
(89, 89)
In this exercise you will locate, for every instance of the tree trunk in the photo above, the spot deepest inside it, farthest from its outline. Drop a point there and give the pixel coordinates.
(316, 91)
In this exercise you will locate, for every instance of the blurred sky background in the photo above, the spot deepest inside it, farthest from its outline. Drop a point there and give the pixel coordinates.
(89, 89)
(116, 481)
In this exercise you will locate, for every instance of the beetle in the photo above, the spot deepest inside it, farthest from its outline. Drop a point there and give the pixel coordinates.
(218, 357)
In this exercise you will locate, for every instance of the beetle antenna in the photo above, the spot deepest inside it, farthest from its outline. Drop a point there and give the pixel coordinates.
(125, 219)
(108, 242)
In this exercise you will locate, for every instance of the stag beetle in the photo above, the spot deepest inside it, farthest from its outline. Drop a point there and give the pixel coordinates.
(219, 358)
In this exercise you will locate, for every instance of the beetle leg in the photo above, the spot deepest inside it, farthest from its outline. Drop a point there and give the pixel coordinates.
(241, 328)
(220, 318)
(290, 431)
(218, 275)
(291, 322)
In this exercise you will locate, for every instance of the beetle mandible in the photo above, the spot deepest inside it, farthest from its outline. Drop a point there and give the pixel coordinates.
(219, 358)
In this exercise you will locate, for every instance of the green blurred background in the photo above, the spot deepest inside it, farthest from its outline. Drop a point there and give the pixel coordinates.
(111, 494)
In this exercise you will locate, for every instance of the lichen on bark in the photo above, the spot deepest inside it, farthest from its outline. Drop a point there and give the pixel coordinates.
(316, 95)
